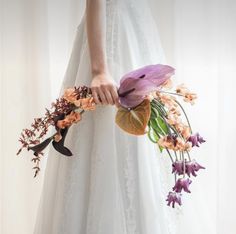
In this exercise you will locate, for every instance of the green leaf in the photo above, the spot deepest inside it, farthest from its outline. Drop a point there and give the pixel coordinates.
(156, 126)
(154, 137)
(150, 136)
(162, 124)
(160, 148)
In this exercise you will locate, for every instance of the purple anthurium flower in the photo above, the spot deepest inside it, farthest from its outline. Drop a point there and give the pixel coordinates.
(174, 198)
(192, 167)
(182, 183)
(135, 85)
(195, 139)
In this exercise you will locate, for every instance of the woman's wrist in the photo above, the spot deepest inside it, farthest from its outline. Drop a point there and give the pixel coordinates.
(99, 70)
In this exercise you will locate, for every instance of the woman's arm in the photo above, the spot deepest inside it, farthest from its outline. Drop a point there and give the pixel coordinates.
(102, 84)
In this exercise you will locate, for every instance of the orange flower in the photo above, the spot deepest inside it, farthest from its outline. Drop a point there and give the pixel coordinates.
(86, 103)
(181, 145)
(70, 95)
(166, 142)
(184, 130)
(176, 144)
(73, 117)
(167, 100)
(174, 111)
(181, 89)
(173, 119)
(188, 146)
(190, 97)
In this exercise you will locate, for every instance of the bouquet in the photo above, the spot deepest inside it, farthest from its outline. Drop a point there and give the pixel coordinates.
(148, 105)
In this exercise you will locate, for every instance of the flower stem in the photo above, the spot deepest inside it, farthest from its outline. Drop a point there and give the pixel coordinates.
(185, 115)
(161, 91)
(176, 157)
(188, 155)
(169, 155)
(183, 162)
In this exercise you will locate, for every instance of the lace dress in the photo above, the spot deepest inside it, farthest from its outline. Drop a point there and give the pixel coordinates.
(115, 183)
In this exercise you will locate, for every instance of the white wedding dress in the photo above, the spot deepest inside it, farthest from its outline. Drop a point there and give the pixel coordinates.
(114, 183)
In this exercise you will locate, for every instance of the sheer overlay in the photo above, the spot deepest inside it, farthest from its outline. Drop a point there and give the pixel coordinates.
(115, 183)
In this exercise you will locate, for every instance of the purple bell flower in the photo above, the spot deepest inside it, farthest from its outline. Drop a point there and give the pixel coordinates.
(195, 139)
(177, 167)
(182, 183)
(192, 167)
(174, 198)
(135, 85)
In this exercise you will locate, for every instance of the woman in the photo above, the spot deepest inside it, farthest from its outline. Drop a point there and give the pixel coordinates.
(114, 183)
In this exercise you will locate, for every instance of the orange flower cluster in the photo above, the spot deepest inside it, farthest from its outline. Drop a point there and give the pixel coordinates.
(176, 144)
(184, 130)
(73, 117)
(167, 100)
(86, 103)
(188, 96)
(173, 110)
(70, 95)
(83, 103)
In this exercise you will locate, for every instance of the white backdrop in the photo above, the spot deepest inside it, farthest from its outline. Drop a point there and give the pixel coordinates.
(199, 39)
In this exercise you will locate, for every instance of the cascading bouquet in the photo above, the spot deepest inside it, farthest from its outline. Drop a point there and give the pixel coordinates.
(149, 106)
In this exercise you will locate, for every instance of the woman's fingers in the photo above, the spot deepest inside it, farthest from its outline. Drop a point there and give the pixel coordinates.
(106, 94)
(102, 96)
(109, 97)
(95, 95)
(115, 96)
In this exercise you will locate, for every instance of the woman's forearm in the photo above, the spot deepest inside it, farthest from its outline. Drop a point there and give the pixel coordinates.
(95, 13)
(104, 89)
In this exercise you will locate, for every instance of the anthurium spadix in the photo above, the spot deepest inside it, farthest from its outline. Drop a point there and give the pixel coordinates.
(135, 85)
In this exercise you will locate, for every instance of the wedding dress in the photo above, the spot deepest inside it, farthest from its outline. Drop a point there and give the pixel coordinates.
(114, 183)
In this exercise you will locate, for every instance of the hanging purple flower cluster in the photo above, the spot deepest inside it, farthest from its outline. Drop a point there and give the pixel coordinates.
(182, 168)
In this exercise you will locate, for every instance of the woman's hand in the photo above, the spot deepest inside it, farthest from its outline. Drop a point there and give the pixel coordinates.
(104, 90)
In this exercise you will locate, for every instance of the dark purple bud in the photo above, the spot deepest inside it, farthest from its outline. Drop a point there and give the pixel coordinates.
(182, 183)
(174, 198)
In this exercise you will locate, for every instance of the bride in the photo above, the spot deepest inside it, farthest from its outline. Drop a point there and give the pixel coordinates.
(115, 183)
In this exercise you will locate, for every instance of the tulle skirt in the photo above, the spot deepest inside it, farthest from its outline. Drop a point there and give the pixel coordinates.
(115, 183)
